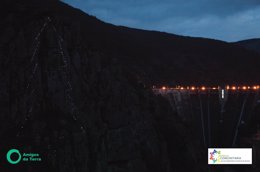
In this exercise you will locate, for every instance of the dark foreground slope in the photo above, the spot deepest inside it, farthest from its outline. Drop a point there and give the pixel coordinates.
(79, 108)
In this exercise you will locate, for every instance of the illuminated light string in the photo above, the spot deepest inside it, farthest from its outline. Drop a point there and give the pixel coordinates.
(38, 42)
(68, 87)
(74, 110)
(203, 88)
(35, 67)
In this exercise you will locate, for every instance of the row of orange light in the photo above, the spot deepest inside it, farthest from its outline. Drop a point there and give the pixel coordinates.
(215, 88)
(243, 87)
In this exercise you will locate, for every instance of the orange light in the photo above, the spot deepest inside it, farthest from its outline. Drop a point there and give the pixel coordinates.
(164, 88)
(214, 88)
(203, 88)
(193, 88)
(182, 88)
(228, 87)
(255, 87)
(244, 88)
(234, 88)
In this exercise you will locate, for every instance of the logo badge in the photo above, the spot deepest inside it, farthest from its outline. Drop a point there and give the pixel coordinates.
(229, 156)
(12, 152)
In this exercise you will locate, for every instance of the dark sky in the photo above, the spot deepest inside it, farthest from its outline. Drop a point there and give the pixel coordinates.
(229, 20)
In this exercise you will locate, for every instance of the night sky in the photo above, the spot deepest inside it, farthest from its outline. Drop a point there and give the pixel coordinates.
(228, 20)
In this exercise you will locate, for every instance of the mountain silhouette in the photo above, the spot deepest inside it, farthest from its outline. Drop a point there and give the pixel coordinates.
(157, 57)
(250, 44)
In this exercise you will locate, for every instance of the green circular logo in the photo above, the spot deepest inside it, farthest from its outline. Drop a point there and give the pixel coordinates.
(9, 154)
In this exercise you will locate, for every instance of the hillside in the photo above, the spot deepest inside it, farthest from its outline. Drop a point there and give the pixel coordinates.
(65, 97)
(157, 57)
(250, 44)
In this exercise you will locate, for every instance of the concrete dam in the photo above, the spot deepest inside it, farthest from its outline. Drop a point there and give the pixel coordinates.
(219, 117)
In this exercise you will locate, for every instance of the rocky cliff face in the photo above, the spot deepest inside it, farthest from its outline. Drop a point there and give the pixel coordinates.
(80, 110)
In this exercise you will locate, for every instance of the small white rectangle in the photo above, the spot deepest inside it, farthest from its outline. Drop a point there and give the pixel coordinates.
(223, 93)
(229, 156)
